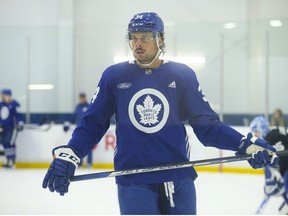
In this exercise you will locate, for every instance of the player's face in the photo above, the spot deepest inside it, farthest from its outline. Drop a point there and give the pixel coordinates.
(7, 98)
(82, 99)
(144, 46)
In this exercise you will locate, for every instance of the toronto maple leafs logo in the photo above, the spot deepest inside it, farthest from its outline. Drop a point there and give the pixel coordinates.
(148, 110)
(4, 112)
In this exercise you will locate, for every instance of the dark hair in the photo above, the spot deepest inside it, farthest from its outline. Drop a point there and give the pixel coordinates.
(163, 46)
(278, 118)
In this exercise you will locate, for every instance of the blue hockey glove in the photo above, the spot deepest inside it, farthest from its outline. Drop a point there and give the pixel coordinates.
(263, 154)
(274, 182)
(66, 126)
(61, 169)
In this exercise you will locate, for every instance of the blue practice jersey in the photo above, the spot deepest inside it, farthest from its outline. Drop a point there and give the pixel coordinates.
(9, 115)
(79, 112)
(151, 106)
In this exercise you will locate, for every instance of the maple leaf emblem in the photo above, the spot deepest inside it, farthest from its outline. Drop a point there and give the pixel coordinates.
(148, 113)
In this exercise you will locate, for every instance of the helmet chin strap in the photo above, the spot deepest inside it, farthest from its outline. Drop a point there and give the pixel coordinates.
(156, 56)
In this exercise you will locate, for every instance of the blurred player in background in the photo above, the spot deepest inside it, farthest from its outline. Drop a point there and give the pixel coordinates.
(80, 109)
(278, 118)
(276, 178)
(151, 99)
(10, 124)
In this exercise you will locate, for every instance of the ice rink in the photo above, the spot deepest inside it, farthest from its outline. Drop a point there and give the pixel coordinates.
(217, 193)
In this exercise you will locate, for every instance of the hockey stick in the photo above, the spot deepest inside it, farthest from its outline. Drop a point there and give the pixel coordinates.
(262, 205)
(167, 167)
(38, 127)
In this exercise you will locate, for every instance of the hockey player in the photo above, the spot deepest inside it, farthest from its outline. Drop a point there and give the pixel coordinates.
(151, 99)
(10, 122)
(80, 109)
(278, 118)
(276, 178)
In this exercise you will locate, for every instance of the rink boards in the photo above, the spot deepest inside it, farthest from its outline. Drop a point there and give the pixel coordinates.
(34, 149)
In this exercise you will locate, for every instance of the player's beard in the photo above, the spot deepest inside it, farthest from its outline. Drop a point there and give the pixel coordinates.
(146, 58)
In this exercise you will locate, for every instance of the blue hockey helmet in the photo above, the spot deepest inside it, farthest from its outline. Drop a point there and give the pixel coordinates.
(260, 125)
(7, 92)
(146, 22)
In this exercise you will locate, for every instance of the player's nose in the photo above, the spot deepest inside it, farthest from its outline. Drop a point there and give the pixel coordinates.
(138, 47)
(138, 43)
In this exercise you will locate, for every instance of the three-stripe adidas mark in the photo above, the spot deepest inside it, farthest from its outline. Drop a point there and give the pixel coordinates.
(172, 85)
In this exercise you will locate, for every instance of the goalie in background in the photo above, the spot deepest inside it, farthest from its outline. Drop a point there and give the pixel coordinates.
(276, 178)
(80, 109)
(10, 124)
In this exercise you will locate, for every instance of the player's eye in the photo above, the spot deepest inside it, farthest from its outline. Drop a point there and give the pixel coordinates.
(146, 39)
(133, 39)
(143, 39)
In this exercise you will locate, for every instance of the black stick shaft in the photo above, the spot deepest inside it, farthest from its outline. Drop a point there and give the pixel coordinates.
(167, 167)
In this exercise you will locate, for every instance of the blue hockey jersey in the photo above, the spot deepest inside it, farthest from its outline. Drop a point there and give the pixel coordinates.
(79, 111)
(151, 106)
(9, 115)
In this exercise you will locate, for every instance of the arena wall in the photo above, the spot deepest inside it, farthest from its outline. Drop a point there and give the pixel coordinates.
(34, 147)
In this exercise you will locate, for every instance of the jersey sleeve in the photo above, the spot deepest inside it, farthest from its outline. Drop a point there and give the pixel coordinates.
(205, 122)
(96, 120)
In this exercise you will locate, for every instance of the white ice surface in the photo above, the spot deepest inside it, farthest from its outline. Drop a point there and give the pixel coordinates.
(21, 193)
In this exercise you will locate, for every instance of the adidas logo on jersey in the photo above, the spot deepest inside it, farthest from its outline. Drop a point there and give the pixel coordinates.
(172, 85)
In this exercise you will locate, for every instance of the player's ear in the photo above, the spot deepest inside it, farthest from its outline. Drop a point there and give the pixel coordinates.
(160, 41)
